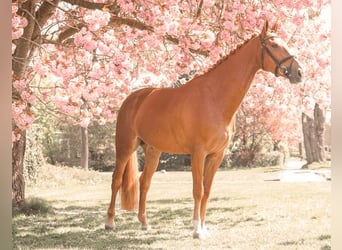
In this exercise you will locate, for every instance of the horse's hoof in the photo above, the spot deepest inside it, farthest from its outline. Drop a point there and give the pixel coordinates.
(108, 227)
(196, 235)
(200, 235)
(205, 233)
(145, 227)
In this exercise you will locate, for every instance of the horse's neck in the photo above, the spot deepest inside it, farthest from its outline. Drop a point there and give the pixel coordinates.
(232, 78)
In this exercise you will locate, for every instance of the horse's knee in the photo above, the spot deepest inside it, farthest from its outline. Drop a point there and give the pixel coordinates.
(142, 186)
(110, 212)
(198, 193)
(206, 194)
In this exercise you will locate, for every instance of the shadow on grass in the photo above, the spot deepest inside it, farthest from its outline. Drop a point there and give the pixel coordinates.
(78, 227)
(33, 206)
(177, 202)
(82, 227)
(296, 243)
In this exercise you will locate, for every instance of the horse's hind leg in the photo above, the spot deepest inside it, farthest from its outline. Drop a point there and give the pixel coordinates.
(123, 156)
(151, 162)
(116, 184)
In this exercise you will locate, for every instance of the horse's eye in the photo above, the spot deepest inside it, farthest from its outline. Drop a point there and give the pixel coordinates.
(274, 45)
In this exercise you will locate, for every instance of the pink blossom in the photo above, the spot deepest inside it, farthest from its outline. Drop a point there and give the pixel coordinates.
(45, 96)
(40, 68)
(97, 111)
(18, 23)
(208, 4)
(28, 97)
(17, 33)
(103, 48)
(126, 6)
(84, 122)
(22, 116)
(85, 118)
(84, 38)
(207, 39)
(15, 137)
(14, 8)
(119, 58)
(89, 95)
(96, 19)
(97, 71)
(20, 84)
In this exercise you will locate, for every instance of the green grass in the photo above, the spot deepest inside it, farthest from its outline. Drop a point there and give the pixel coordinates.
(33, 206)
(244, 212)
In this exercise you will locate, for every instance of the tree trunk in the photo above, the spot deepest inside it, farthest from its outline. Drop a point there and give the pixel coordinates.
(25, 46)
(319, 120)
(85, 148)
(313, 133)
(18, 182)
(19, 62)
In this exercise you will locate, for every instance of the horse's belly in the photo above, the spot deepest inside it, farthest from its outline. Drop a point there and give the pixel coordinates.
(163, 140)
(175, 139)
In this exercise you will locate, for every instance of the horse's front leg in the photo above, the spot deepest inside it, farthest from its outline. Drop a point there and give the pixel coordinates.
(212, 163)
(151, 162)
(197, 165)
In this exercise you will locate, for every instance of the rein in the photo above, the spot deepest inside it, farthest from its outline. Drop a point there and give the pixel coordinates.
(286, 70)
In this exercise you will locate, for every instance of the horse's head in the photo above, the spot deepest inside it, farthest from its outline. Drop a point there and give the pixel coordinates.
(275, 56)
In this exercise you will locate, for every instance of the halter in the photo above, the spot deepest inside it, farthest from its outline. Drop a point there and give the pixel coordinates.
(286, 70)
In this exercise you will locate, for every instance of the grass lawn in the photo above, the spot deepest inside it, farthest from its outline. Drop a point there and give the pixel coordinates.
(244, 212)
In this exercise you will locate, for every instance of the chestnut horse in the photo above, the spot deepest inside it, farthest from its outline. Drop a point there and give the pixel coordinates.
(196, 118)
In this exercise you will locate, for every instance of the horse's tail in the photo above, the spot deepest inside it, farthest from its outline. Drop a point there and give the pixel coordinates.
(130, 184)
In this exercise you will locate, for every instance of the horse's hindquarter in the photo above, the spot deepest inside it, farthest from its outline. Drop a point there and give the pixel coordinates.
(178, 120)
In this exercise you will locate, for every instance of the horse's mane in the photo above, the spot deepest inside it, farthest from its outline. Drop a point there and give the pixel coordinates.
(233, 51)
(221, 60)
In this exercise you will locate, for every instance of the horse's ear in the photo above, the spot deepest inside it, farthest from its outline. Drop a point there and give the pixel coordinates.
(264, 29)
(275, 27)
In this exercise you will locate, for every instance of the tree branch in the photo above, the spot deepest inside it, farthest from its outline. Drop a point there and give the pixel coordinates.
(86, 4)
(112, 8)
(69, 32)
(42, 15)
(175, 40)
(199, 10)
(116, 20)
(45, 11)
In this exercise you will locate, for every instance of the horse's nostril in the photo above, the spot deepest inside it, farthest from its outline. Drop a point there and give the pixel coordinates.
(299, 73)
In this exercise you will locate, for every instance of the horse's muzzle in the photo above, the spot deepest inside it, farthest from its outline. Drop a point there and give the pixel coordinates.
(295, 75)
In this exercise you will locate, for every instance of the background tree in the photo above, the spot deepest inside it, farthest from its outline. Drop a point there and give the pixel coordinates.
(313, 132)
(95, 52)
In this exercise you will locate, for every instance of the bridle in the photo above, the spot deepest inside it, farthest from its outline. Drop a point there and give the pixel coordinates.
(286, 70)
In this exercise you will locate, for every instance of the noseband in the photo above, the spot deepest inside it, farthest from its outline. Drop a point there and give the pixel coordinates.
(286, 70)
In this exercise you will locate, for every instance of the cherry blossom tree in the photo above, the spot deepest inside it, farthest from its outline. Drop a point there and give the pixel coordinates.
(93, 53)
